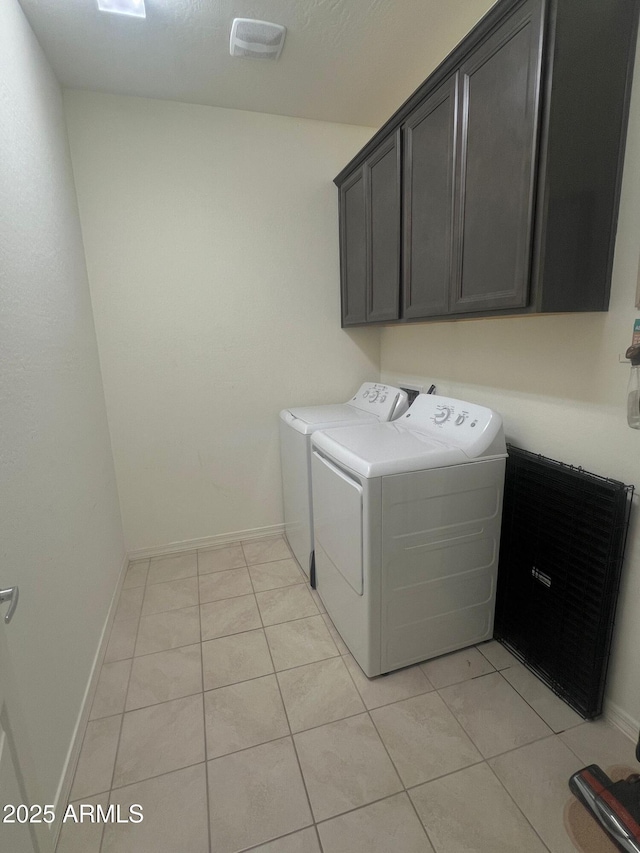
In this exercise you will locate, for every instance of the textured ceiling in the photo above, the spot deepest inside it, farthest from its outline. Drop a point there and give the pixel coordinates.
(350, 61)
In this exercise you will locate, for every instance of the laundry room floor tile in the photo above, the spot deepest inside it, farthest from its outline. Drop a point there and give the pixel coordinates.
(536, 776)
(255, 796)
(243, 715)
(274, 575)
(177, 725)
(384, 826)
(163, 676)
(172, 567)
(495, 717)
(168, 630)
(497, 655)
(136, 574)
(130, 604)
(111, 690)
(239, 657)
(284, 605)
(424, 739)
(385, 689)
(319, 693)
(219, 585)
(85, 836)
(220, 559)
(556, 713)
(229, 616)
(303, 641)
(304, 841)
(122, 640)
(265, 550)
(597, 742)
(335, 636)
(97, 757)
(471, 795)
(345, 765)
(171, 595)
(236, 736)
(174, 810)
(456, 667)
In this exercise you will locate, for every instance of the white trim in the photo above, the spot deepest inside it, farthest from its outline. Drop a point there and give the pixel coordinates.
(66, 779)
(206, 542)
(621, 720)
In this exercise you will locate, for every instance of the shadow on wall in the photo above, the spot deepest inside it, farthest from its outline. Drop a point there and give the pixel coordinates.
(553, 356)
(367, 339)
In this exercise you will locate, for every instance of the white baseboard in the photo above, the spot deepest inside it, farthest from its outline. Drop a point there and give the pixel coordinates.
(621, 720)
(206, 542)
(66, 779)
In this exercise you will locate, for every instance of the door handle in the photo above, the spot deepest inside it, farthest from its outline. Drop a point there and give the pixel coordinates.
(11, 594)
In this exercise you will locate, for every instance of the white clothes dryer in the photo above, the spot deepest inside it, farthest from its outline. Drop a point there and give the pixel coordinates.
(407, 530)
(372, 403)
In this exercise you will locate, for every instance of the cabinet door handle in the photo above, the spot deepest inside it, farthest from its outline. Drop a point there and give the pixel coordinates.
(11, 594)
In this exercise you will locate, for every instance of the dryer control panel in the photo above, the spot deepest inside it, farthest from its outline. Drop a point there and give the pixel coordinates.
(385, 401)
(468, 426)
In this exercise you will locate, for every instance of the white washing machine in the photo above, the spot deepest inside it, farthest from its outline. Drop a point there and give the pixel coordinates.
(407, 531)
(372, 403)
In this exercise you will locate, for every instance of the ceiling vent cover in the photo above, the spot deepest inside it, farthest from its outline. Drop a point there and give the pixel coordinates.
(256, 39)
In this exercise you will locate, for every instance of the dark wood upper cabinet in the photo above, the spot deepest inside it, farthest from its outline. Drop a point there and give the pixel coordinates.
(511, 159)
(382, 183)
(370, 238)
(353, 250)
(428, 179)
(498, 130)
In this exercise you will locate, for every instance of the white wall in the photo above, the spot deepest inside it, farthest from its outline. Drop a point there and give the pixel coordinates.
(61, 537)
(211, 241)
(561, 390)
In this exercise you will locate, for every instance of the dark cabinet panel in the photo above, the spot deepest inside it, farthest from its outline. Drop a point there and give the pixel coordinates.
(370, 237)
(429, 161)
(382, 182)
(498, 96)
(579, 181)
(353, 250)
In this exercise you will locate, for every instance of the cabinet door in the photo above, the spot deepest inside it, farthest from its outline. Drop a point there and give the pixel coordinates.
(353, 249)
(382, 177)
(429, 162)
(498, 95)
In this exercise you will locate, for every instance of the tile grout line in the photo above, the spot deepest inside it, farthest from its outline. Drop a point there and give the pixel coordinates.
(204, 712)
(508, 793)
(286, 713)
(156, 776)
(398, 774)
(375, 728)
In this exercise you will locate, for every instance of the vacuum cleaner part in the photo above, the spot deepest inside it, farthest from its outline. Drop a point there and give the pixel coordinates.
(615, 805)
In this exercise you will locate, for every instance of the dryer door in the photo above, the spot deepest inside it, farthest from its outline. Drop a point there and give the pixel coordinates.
(337, 515)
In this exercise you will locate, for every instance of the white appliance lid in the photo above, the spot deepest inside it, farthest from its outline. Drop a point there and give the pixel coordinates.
(373, 402)
(434, 433)
(308, 419)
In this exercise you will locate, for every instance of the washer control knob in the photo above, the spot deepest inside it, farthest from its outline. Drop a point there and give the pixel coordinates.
(461, 418)
(442, 415)
(373, 396)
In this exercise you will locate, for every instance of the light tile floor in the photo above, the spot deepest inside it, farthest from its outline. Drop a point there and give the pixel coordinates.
(231, 710)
